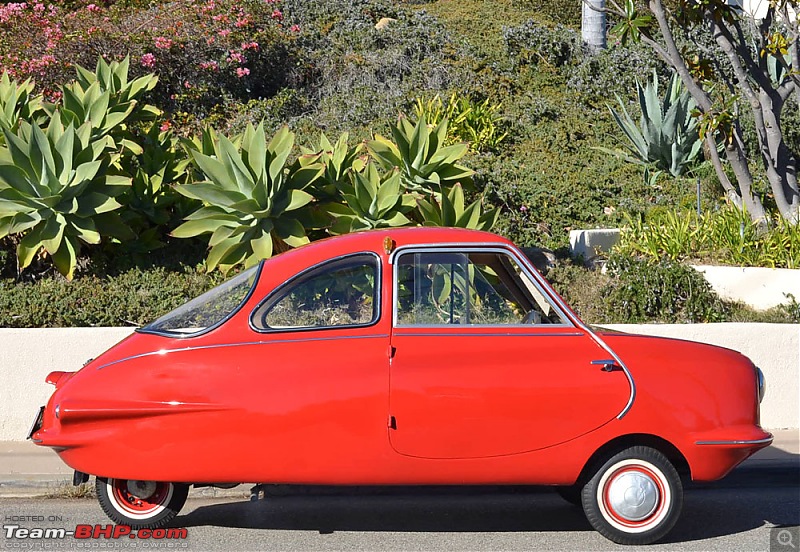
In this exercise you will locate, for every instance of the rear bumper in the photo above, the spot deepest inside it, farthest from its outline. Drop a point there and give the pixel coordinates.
(712, 456)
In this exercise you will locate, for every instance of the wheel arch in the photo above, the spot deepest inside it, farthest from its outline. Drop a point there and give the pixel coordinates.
(673, 454)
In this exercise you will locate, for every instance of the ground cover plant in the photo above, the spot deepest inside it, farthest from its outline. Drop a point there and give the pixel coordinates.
(523, 149)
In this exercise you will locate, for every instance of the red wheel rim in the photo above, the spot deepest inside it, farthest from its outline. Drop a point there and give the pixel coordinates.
(139, 505)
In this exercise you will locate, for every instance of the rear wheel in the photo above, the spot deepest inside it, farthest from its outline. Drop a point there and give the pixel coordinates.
(635, 497)
(141, 504)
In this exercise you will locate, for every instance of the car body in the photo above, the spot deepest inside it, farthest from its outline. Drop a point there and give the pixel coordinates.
(403, 356)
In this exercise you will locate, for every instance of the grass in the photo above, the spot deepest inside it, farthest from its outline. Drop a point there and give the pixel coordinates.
(66, 489)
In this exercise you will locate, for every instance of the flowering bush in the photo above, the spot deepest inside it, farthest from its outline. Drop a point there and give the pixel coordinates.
(202, 50)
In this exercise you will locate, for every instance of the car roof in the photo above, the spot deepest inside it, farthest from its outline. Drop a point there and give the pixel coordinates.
(373, 240)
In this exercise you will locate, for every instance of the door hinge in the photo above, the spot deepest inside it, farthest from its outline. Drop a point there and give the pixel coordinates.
(392, 422)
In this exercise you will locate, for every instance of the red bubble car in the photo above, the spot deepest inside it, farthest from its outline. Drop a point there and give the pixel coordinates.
(422, 356)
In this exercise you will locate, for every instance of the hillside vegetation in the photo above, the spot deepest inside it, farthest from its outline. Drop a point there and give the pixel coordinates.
(354, 66)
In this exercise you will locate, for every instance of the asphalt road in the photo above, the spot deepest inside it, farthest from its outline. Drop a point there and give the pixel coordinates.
(736, 515)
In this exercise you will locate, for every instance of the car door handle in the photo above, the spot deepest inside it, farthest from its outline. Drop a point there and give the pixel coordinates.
(608, 365)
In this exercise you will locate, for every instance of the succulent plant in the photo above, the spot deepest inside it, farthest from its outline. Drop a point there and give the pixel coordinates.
(337, 160)
(251, 198)
(18, 103)
(108, 102)
(426, 164)
(450, 210)
(56, 191)
(151, 203)
(667, 135)
(372, 200)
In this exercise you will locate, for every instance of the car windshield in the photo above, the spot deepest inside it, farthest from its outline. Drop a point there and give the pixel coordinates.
(209, 309)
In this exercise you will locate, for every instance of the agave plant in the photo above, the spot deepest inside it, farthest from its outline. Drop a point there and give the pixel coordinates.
(151, 203)
(337, 159)
(667, 135)
(372, 200)
(56, 192)
(450, 210)
(18, 103)
(251, 198)
(109, 102)
(425, 163)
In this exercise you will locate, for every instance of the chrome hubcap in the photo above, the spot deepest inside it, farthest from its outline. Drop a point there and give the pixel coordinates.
(633, 495)
(142, 489)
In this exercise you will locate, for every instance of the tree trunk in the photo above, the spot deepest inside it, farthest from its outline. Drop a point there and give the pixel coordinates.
(593, 24)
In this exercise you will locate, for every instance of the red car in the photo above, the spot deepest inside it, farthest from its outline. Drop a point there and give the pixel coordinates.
(397, 357)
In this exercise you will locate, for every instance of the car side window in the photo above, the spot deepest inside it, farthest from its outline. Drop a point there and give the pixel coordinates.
(337, 293)
(469, 288)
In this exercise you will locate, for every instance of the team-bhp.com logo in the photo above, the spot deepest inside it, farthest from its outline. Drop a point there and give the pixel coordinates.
(86, 531)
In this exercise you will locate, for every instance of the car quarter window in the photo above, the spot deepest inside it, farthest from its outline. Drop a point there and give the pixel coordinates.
(468, 288)
(336, 293)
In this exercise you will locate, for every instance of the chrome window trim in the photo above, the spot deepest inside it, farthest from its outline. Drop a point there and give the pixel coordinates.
(162, 352)
(471, 248)
(737, 442)
(376, 298)
(481, 334)
(240, 306)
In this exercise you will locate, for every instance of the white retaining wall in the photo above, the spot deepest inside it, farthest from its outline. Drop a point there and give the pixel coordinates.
(28, 355)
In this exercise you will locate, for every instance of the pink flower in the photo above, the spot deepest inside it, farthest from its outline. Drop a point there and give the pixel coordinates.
(224, 32)
(148, 60)
(277, 15)
(523, 208)
(249, 46)
(209, 65)
(242, 72)
(93, 8)
(242, 22)
(235, 56)
(165, 126)
(295, 28)
(163, 43)
(53, 96)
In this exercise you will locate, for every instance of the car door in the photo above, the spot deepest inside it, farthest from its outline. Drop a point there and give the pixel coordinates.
(485, 364)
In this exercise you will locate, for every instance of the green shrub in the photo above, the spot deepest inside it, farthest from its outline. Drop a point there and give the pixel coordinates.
(533, 42)
(615, 70)
(582, 289)
(134, 297)
(727, 236)
(476, 123)
(565, 12)
(662, 291)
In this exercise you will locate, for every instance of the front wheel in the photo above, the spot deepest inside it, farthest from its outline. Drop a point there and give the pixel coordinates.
(635, 497)
(140, 504)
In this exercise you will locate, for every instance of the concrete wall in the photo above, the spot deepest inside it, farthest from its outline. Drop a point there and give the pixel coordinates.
(775, 348)
(28, 355)
(760, 288)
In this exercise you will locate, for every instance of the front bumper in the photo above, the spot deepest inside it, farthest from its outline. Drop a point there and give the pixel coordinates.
(37, 423)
